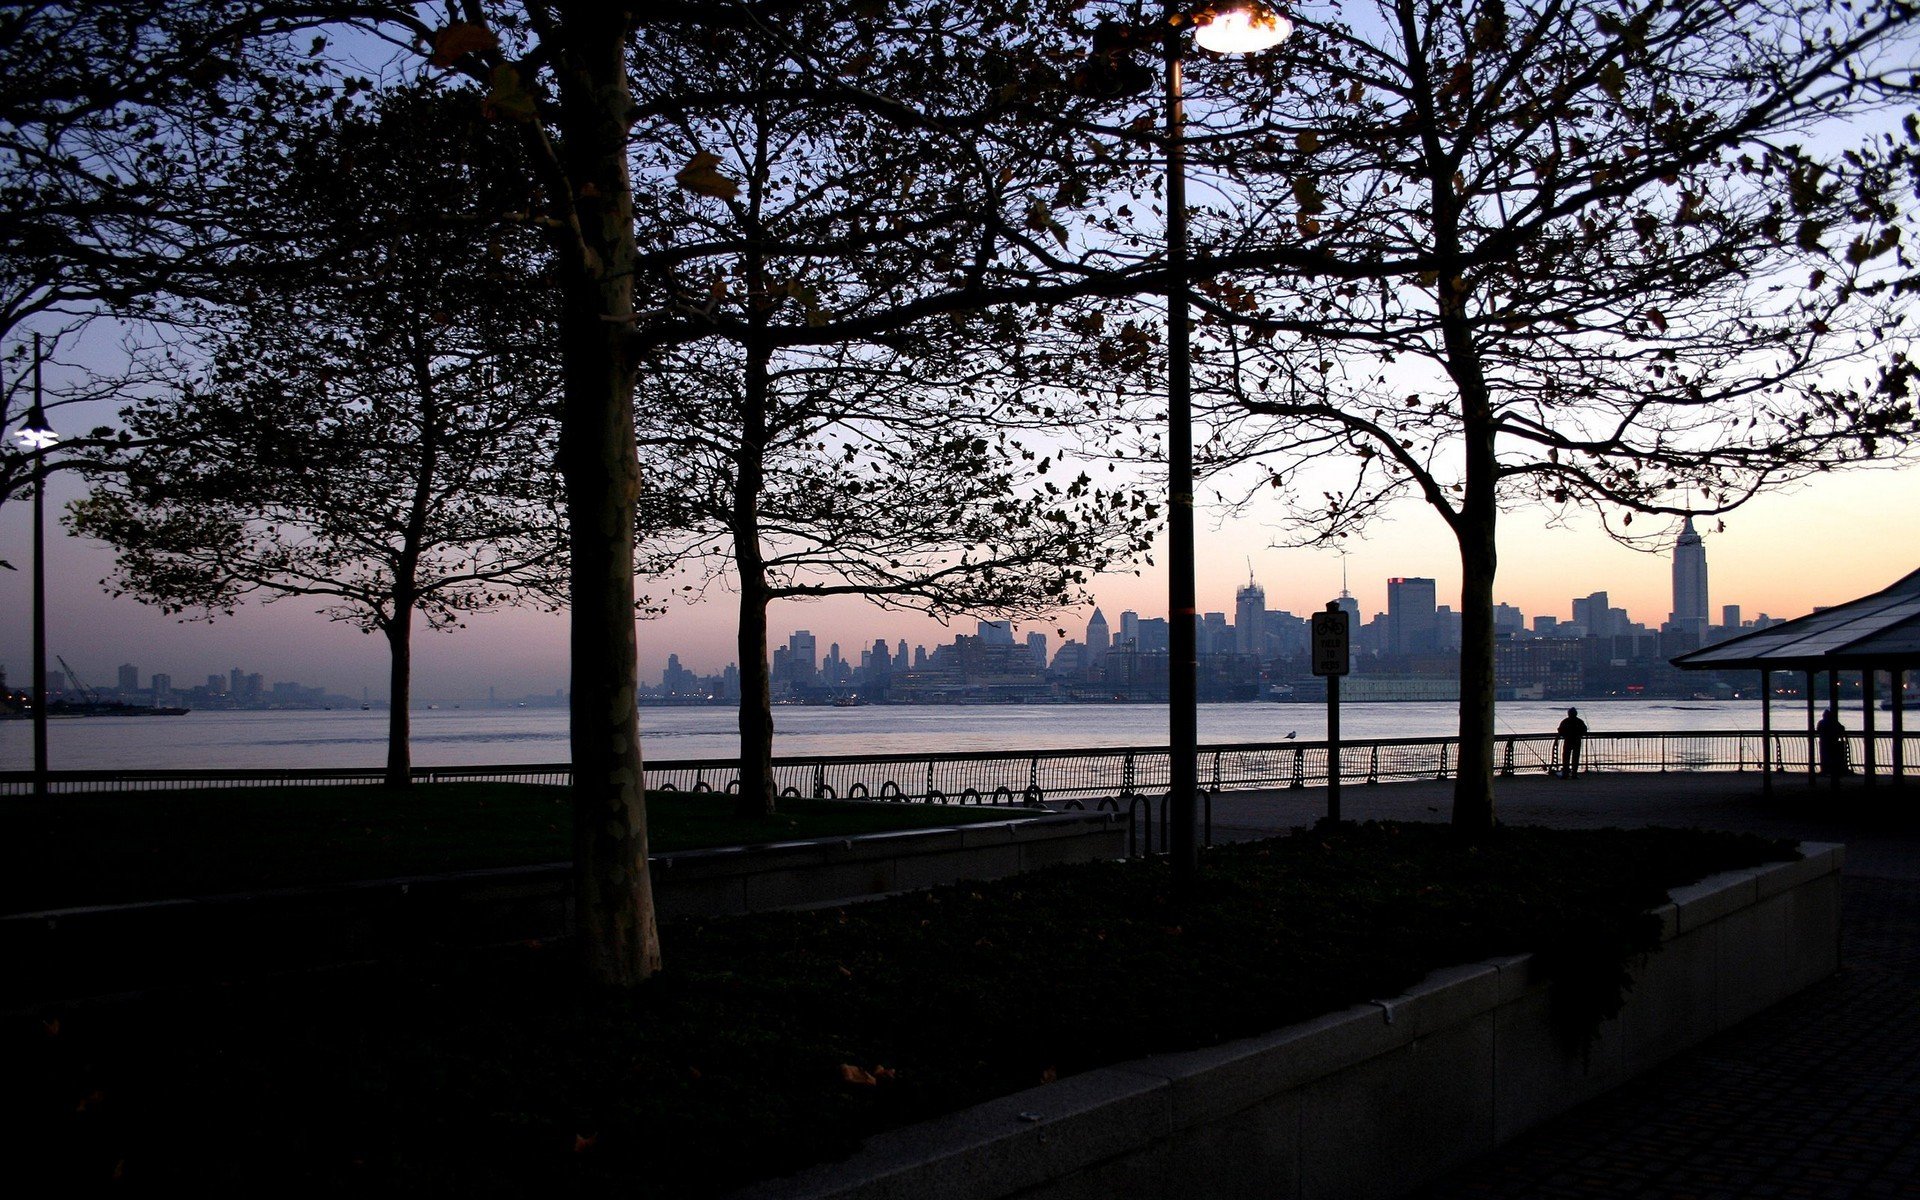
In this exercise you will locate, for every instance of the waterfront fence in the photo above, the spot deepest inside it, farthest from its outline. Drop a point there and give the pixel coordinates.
(1131, 781)
(1057, 778)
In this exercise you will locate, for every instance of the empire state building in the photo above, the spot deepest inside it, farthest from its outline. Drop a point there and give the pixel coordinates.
(1689, 616)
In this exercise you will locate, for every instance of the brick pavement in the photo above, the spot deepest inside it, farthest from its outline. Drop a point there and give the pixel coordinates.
(1817, 1098)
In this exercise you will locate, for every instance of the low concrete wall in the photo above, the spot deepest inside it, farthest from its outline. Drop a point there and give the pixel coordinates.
(740, 879)
(1373, 1101)
(84, 951)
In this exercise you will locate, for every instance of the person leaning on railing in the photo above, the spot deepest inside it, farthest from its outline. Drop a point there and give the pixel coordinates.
(1571, 733)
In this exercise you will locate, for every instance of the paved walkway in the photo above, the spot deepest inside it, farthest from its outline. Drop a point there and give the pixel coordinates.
(1818, 1097)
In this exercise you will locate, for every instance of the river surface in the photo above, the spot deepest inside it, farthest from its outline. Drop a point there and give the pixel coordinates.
(499, 736)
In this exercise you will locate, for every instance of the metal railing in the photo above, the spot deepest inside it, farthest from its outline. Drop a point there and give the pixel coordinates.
(1055, 777)
(1132, 781)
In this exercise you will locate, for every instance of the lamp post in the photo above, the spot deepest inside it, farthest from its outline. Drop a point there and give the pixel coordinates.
(1235, 29)
(36, 434)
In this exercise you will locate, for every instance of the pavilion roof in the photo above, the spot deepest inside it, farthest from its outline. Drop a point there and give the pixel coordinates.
(1878, 631)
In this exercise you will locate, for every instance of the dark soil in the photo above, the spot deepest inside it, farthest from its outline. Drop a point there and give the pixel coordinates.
(773, 1040)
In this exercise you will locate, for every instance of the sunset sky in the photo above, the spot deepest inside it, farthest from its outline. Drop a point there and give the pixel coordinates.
(1829, 540)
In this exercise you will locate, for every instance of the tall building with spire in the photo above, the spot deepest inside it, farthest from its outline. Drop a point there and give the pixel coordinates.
(1097, 635)
(1689, 617)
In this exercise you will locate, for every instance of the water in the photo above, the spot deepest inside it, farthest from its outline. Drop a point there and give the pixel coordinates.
(497, 736)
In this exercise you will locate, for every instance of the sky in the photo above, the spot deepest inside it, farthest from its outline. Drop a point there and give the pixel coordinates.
(1830, 540)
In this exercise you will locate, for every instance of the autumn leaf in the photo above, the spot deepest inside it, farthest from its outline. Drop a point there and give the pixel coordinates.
(461, 37)
(1613, 80)
(1306, 193)
(702, 176)
(856, 1076)
(1657, 319)
(507, 96)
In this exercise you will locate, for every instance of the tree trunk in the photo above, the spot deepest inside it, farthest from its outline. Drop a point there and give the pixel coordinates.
(399, 633)
(613, 893)
(1473, 811)
(757, 791)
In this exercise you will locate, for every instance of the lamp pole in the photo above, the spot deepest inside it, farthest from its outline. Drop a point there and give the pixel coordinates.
(1183, 716)
(36, 434)
(1238, 29)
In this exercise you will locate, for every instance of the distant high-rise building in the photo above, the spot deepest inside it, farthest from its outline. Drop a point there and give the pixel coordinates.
(1037, 646)
(1152, 633)
(1215, 635)
(1413, 624)
(1594, 615)
(162, 684)
(1249, 618)
(996, 633)
(1730, 615)
(1130, 629)
(900, 656)
(802, 654)
(129, 677)
(1689, 617)
(1098, 639)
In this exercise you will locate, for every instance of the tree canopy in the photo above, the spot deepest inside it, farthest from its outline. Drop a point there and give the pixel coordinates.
(375, 430)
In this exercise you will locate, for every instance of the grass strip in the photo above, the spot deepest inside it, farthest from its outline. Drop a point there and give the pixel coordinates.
(776, 1039)
(117, 847)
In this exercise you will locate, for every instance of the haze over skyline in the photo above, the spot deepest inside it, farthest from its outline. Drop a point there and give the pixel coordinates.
(1832, 539)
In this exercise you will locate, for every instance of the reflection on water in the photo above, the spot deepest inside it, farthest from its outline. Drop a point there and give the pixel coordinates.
(482, 736)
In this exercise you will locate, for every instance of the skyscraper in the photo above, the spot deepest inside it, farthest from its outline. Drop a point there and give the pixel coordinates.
(1413, 617)
(1249, 618)
(996, 633)
(1689, 618)
(802, 654)
(1097, 635)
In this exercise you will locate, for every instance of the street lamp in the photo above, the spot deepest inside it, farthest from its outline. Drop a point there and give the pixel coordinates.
(36, 435)
(1231, 29)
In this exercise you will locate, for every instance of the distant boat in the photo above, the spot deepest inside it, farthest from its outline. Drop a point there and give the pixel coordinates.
(848, 702)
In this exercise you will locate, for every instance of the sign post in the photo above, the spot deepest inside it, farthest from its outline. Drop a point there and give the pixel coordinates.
(1330, 658)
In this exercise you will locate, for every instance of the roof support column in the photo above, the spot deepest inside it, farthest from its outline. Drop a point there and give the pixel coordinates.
(1813, 761)
(1766, 734)
(1898, 693)
(1866, 717)
(1833, 702)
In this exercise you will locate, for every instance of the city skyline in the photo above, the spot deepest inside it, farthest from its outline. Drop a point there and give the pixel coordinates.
(1843, 556)
(1837, 555)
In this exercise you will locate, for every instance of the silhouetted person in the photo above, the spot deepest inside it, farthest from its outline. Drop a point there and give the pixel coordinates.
(1833, 744)
(1572, 732)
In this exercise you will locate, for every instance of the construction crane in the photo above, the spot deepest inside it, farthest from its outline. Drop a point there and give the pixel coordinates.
(73, 677)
